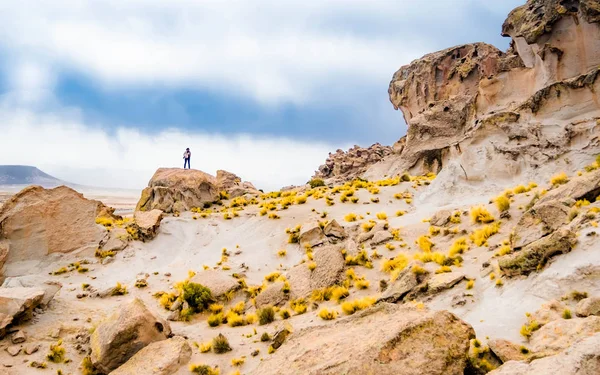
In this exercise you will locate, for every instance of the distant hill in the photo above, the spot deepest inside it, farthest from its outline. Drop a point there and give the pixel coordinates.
(27, 175)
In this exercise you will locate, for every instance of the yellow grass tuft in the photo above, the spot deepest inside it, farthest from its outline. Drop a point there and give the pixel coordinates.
(382, 216)
(327, 314)
(350, 217)
(350, 307)
(458, 247)
(480, 214)
(480, 236)
(425, 243)
(559, 179)
(502, 203)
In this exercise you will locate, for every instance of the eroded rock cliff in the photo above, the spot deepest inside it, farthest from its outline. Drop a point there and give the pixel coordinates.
(499, 114)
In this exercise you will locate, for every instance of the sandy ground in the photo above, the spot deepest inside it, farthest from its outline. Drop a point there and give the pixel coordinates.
(187, 244)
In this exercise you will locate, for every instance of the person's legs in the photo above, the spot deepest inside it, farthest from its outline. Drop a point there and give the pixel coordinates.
(190, 158)
(184, 162)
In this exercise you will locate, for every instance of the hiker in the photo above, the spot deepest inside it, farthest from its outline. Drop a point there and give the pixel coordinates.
(186, 158)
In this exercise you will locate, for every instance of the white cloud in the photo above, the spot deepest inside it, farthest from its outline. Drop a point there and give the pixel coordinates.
(61, 145)
(270, 50)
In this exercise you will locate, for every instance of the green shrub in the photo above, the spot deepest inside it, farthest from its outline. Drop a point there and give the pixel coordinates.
(316, 182)
(197, 296)
(265, 315)
(220, 344)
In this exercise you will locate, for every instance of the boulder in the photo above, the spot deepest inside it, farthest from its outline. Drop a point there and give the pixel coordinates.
(330, 270)
(560, 334)
(164, 357)
(381, 237)
(147, 223)
(17, 305)
(218, 282)
(441, 218)
(588, 306)
(406, 281)
(538, 222)
(118, 338)
(443, 281)
(272, 295)
(115, 240)
(18, 337)
(583, 358)
(343, 166)
(233, 185)
(579, 187)
(37, 222)
(313, 237)
(384, 339)
(335, 230)
(550, 311)
(174, 189)
(506, 350)
(535, 255)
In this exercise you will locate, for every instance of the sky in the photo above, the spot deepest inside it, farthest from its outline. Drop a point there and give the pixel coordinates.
(102, 93)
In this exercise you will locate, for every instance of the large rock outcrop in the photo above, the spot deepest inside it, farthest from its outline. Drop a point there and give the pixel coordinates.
(17, 304)
(124, 333)
(177, 190)
(583, 358)
(37, 222)
(346, 165)
(164, 357)
(385, 339)
(502, 114)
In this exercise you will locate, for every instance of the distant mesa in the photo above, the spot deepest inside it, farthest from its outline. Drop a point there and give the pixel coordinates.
(27, 175)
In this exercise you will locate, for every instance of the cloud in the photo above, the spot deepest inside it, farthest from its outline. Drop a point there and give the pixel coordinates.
(60, 144)
(269, 50)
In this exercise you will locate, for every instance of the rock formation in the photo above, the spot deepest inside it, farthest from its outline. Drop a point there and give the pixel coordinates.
(125, 333)
(177, 190)
(342, 165)
(37, 222)
(386, 339)
(502, 114)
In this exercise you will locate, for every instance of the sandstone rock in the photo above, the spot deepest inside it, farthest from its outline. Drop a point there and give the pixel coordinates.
(159, 358)
(272, 295)
(561, 334)
(329, 271)
(352, 163)
(550, 311)
(37, 222)
(170, 186)
(29, 349)
(579, 187)
(538, 222)
(506, 350)
(501, 115)
(537, 254)
(124, 333)
(233, 185)
(381, 237)
(115, 240)
(588, 306)
(313, 237)
(14, 350)
(17, 305)
(441, 218)
(218, 282)
(335, 230)
(406, 281)
(366, 236)
(147, 223)
(385, 339)
(18, 337)
(583, 358)
(443, 281)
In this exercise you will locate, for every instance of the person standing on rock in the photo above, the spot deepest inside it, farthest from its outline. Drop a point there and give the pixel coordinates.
(187, 155)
